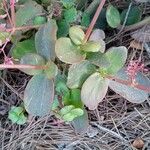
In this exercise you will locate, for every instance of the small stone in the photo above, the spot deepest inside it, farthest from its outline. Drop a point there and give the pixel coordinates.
(138, 143)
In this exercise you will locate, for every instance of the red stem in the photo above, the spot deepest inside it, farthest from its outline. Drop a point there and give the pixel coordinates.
(6, 10)
(13, 17)
(128, 83)
(90, 28)
(15, 66)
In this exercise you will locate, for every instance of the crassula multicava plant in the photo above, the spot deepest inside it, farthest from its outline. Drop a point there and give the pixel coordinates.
(92, 68)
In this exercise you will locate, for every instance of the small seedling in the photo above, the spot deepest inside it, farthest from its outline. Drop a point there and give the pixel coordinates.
(16, 115)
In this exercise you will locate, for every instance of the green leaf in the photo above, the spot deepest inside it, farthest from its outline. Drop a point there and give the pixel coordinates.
(51, 71)
(113, 16)
(75, 98)
(16, 115)
(81, 123)
(76, 34)
(32, 59)
(67, 52)
(39, 20)
(26, 13)
(63, 28)
(70, 113)
(45, 40)
(85, 20)
(91, 46)
(66, 99)
(78, 73)
(94, 90)
(68, 117)
(3, 37)
(70, 14)
(61, 88)
(39, 95)
(98, 36)
(65, 110)
(68, 3)
(116, 56)
(132, 94)
(22, 119)
(23, 48)
(60, 85)
(95, 58)
(134, 15)
(77, 112)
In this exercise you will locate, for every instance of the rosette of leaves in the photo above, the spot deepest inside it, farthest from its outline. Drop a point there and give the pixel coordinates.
(73, 50)
(39, 92)
(91, 75)
(71, 99)
(16, 115)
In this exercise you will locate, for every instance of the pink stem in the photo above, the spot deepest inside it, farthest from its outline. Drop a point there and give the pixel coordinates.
(13, 17)
(15, 66)
(90, 28)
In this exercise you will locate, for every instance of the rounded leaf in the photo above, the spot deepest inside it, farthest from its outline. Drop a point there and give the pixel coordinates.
(29, 10)
(45, 40)
(16, 115)
(39, 20)
(39, 95)
(116, 56)
(51, 71)
(134, 15)
(77, 112)
(68, 117)
(95, 46)
(81, 123)
(76, 34)
(63, 28)
(91, 46)
(94, 90)
(32, 59)
(132, 94)
(113, 16)
(97, 34)
(66, 109)
(67, 52)
(75, 98)
(78, 73)
(70, 14)
(23, 48)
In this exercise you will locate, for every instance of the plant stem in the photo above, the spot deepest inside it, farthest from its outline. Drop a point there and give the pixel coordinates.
(21, 28)
(90, 28)
(6, 10)
(15, 66)
(128, 83)
(13, 17)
